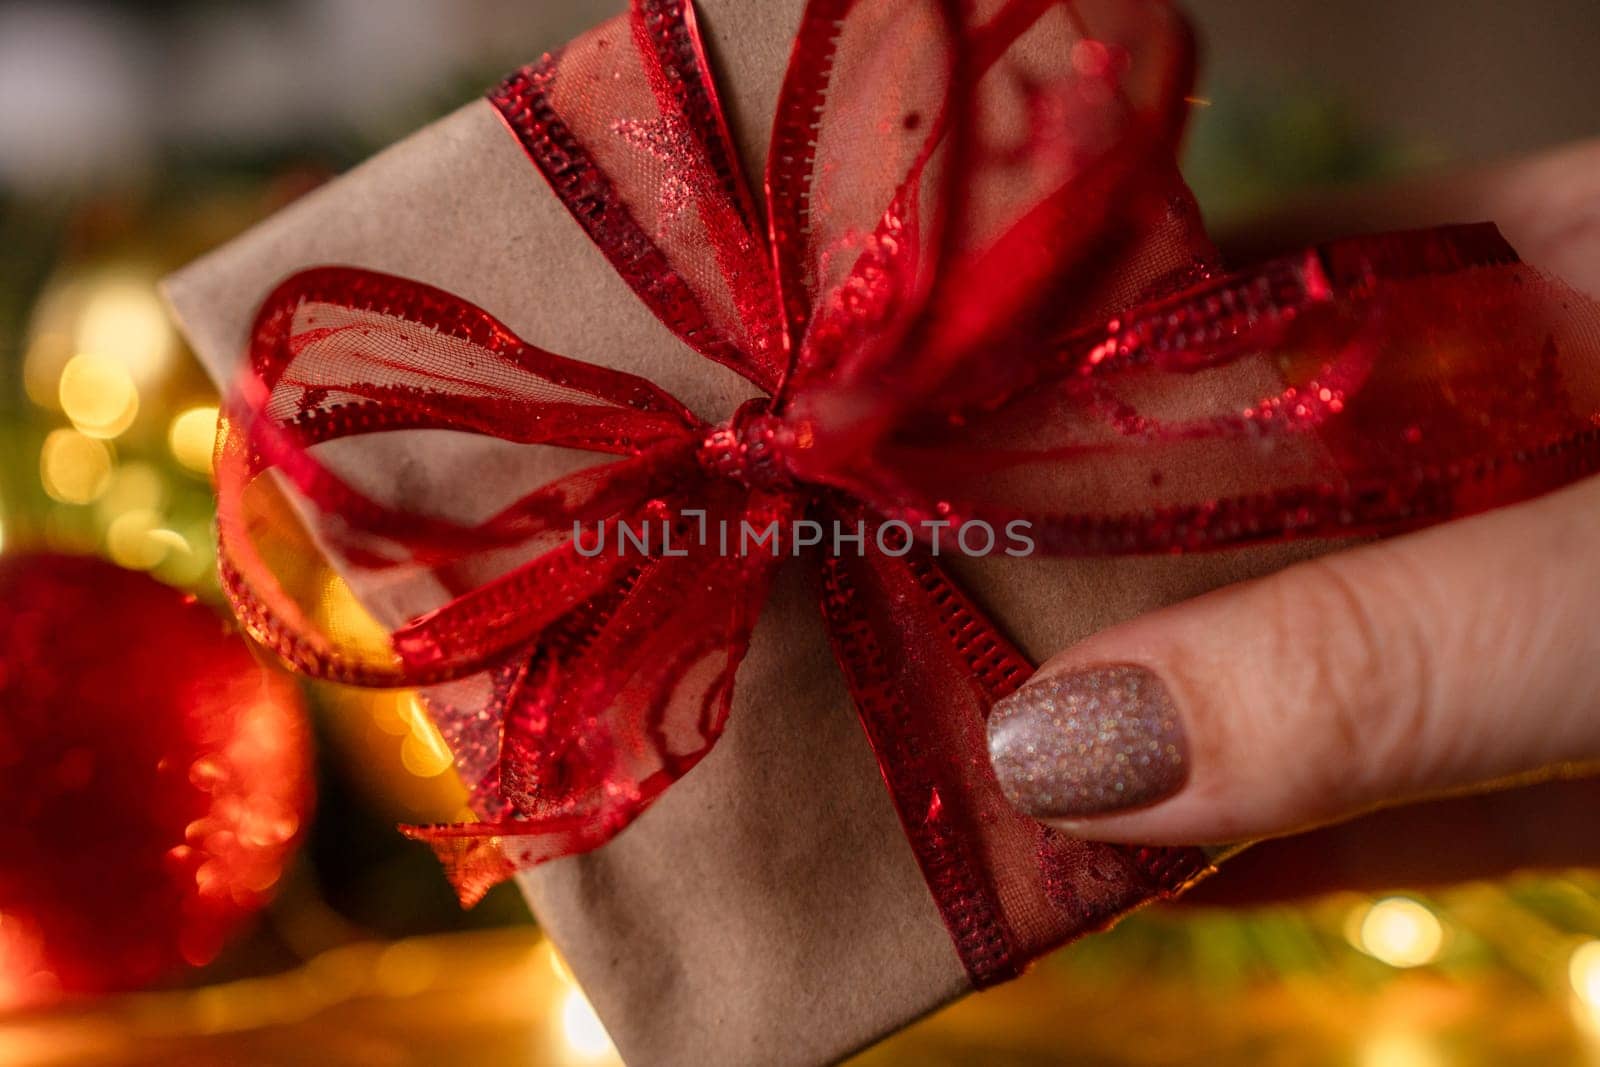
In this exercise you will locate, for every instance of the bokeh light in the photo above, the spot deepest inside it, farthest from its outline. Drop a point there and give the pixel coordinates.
(408, 968)
(74, 468)
(136, 540)
(1583, 970)
(99, 395)
(581, 1028)
(47, 354)
(1400, 1048)
(110, 314)
(135, 486)
(1399, 931)
(578, 1037)
(122, 316)
(424, 752)
(192, 436)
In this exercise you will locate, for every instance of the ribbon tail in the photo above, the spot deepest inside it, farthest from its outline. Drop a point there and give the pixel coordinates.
(604, 709)
(925, 665)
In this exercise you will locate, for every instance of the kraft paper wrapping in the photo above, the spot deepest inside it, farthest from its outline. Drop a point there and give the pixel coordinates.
(768, 909)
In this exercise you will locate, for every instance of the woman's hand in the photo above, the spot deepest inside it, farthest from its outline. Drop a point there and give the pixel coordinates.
(1451, 660)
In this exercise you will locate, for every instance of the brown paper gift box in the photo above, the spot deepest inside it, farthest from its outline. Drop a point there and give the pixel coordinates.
(768, 909)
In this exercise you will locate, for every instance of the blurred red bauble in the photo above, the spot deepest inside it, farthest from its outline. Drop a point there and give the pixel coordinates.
(154, 779)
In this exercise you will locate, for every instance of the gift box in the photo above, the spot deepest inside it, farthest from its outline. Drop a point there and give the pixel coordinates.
(804, 885)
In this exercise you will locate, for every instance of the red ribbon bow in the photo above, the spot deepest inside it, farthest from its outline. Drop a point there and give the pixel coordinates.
(961, 199)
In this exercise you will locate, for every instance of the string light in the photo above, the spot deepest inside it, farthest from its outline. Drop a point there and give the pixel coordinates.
(1398, 931)
(192, 436)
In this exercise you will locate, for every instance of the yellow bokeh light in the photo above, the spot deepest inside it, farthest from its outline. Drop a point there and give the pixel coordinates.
(98, 395)
(179, 563)
(559, 966)
(134, 487)
(122, 319)
(191, 437)
(1400, 932)
(48, 352)
(581, 1029)
(391, 712)
(423, 752)
(74, 468)
(1400, 1049)
(345, 618)
(407, 968)
(1584, 971)
(136, 540)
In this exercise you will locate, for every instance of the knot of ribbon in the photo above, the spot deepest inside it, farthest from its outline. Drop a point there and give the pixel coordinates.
(749, 448)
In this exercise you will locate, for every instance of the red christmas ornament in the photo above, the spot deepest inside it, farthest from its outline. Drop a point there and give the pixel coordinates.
(154, 779)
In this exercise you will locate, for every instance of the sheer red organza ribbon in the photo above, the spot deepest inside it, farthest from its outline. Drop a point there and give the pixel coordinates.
(976, 291)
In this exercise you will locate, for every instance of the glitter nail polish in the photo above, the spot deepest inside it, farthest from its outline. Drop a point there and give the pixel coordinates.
(1088, 743)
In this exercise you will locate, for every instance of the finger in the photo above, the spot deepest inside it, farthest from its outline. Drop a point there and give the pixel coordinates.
(1545, 827)
(1548, 207)
(1440, 661)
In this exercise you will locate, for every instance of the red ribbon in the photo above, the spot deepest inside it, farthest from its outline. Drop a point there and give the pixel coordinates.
(959, 204)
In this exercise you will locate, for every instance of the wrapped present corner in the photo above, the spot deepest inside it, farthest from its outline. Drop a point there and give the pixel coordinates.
(647, 467)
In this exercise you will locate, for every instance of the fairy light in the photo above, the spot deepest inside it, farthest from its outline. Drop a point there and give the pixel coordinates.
(99, 395)
(191, 437)
(73, 467)
(1399, 931)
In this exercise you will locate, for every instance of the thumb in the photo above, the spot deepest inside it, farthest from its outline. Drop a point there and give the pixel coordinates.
(1440, 661)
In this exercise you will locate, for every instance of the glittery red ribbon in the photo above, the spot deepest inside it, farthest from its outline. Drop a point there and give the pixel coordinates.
(977, 293)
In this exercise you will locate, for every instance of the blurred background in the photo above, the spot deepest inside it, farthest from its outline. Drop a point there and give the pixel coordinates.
(136, 135)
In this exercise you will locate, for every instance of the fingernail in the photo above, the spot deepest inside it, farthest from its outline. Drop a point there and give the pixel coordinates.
(1088, 743)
